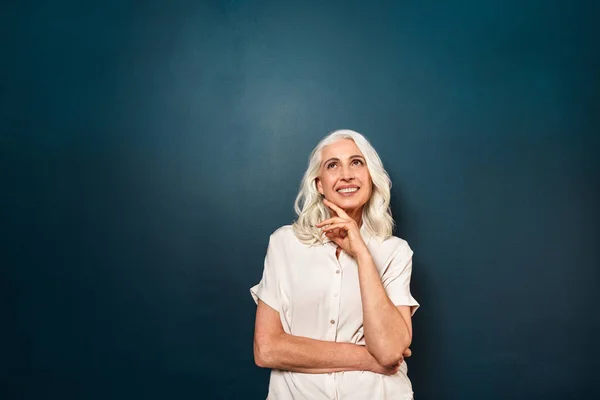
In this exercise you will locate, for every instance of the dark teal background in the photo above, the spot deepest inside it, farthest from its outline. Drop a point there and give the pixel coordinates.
(148, 149)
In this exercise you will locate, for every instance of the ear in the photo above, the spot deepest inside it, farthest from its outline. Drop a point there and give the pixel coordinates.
(319, 186)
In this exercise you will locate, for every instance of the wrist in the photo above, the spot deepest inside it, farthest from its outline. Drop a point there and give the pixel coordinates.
(366, 359)
(363, 255)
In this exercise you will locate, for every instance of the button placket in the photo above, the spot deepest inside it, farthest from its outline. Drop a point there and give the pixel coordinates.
(334, 304)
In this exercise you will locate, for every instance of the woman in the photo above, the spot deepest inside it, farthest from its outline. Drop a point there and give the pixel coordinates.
(334, 307)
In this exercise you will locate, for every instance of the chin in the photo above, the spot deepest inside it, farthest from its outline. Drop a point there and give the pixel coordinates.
(350, 203)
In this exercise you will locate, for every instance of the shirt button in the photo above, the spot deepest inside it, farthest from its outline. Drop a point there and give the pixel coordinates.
(337, 271)
(335, 295)
(332, 321)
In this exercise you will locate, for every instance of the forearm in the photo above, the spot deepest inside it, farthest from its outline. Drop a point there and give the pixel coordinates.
(318, 370)
(386, 333)
(301, 354)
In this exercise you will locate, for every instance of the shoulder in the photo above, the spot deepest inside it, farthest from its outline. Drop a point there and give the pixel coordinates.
(285, 246)
(283, 237)
(392, 245)
(283, 233)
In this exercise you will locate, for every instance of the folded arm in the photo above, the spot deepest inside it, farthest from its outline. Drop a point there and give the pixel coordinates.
(388, 328)
(275, 349)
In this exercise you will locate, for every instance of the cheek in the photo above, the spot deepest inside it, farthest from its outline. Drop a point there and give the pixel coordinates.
(328, 183)
(369, 184)
(365, 177)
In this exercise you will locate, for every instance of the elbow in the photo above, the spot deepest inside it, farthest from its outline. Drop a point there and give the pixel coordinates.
(260, 356)
(389, 359)
(259, 360)
(393, 353)
(263, 353)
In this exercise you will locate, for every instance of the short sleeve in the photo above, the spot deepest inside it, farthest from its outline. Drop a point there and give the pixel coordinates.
(396, 278)
(267, 289)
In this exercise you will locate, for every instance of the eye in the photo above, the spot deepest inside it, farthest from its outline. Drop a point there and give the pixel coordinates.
(357, 162)
(331, 165)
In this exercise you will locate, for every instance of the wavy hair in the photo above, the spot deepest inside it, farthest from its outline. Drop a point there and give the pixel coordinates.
(376, 216)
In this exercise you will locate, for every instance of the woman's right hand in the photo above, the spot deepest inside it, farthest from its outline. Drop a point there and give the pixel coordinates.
(374, 366)
(380, 369)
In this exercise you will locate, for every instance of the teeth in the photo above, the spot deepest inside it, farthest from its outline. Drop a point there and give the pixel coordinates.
(349, 190)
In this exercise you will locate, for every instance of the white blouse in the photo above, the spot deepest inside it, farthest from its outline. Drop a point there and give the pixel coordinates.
(317, 296)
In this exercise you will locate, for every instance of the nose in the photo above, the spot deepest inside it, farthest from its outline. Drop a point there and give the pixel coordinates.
(347, 173)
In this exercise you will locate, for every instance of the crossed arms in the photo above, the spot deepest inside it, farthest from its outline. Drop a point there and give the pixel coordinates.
(387, 329)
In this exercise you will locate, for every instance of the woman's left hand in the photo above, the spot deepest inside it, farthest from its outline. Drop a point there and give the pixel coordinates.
(343, 231)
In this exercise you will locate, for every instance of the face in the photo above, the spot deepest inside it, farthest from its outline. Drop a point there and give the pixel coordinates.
(344, 178)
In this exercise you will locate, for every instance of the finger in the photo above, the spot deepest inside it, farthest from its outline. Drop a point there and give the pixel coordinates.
(331, 234)
(330, 221)
(334, 232)
(335, 208)
(407, 352)
(341, 226)
(394, 368)
(335, 239)
(342, 229)
(339, 232)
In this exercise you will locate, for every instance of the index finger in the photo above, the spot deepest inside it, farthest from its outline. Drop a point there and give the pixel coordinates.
(330, 221)
(335, 208)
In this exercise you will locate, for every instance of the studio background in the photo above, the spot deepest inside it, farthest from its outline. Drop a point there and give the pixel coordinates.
(148, 149)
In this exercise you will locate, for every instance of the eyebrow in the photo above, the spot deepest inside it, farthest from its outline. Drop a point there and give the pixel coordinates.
(337, 159)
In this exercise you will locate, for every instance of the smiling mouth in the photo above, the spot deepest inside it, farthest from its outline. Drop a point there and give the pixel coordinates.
(348, 190)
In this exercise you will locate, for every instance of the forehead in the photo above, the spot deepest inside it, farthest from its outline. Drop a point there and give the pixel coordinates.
(341, 149)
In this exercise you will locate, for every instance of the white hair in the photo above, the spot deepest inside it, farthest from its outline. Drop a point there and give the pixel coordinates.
(376, 216)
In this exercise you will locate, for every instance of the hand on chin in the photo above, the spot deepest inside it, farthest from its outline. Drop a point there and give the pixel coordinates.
(342, 229)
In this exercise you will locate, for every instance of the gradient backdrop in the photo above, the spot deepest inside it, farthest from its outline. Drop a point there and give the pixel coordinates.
(149, 148)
